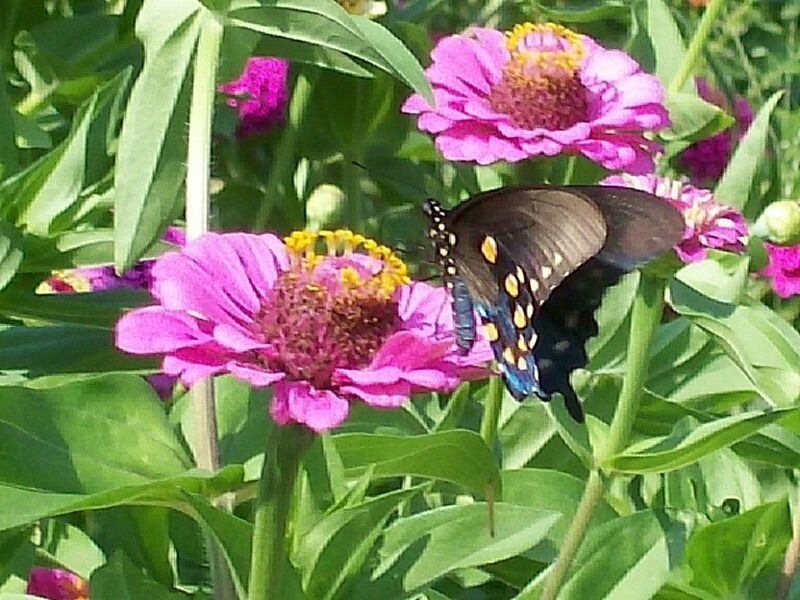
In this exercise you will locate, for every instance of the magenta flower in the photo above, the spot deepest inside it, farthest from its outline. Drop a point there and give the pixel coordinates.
(260, 94)
(709, 224)
(539, 89)
(322, 329)
(104, 277)
(783, 268)
(56, 584)
(706, 159)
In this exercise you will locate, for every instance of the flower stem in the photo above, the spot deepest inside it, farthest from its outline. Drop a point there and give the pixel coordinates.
(198, 162)
(592, 494)
(491, 411)
(645, 317)
(285, 152)
(707, 21)
(285, 447)
(648, 306)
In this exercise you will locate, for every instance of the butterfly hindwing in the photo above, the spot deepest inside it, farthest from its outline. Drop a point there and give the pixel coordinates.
(565, 322)
(508, 321)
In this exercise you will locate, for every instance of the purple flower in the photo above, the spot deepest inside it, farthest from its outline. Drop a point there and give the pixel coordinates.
(708, 224)
(539, 89)
(56, 584)
(260, 94)
(324, 318)
(104, 277)
(783, 268)
(706, 159)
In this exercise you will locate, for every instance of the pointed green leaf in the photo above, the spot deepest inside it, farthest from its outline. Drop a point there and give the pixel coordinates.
(434, 543)
(326, 24)
(690, 441)
(725, 556)
(10, 252)
(335, 549)
(734, 186)
(152, 145)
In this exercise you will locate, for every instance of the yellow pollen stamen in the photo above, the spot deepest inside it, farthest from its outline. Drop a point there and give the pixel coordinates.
(568, 58)
(303, 249)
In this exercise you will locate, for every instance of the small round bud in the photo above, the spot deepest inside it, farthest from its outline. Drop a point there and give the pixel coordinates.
(780, 222)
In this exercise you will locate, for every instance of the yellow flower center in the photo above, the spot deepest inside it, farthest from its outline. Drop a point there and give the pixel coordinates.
(541, 85)
(308, 248)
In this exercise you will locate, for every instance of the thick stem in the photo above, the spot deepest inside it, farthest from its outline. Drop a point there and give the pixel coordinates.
(285, 151)
(645, 317)
(285, 447)
(695, 49)
(592, 494)
(198, 162)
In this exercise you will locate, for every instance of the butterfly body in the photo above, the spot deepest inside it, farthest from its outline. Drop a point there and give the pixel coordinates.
(534, 263)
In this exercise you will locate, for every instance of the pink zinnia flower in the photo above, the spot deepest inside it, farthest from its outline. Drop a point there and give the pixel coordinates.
(56, 584)
(783, 268)
(260, 94)
(322, 329)
(540, 89)
(706, 159)
(709, 224)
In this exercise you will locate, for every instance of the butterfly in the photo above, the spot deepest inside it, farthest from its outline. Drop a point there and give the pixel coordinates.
(534, 262)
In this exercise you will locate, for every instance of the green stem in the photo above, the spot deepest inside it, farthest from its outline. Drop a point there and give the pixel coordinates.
(491, 411)
(285, 447)
(285, 151)
(592, 494)
(198, 162)
(687, 66)
(648, 306)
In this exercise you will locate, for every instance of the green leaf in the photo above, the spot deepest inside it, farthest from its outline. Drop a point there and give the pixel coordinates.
(86, 436)
(120, 578)
(581, 11)
(458, 456)
(692, 118)
(335, 549)
(37, 351)
(550, 490)
(666, 40)
(624, 558)
(9, 155)
(152, 144)
(420, 549)
(234, 536)
(734, 186)
(10, 252)
(724, 556)
(762, 344)
(690, 441)
(96, 309)
(22, 505)
(329, 26)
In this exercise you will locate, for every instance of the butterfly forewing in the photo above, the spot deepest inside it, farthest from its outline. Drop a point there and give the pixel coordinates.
(548, 231)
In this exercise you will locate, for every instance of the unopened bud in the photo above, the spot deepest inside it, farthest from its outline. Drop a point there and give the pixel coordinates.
(780, 222)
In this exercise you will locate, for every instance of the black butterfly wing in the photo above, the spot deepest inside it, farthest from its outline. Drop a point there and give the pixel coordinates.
(550, 232)
(513, 249)
(640, 227)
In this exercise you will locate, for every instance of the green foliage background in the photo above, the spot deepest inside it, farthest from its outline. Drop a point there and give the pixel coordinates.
(97, 474)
